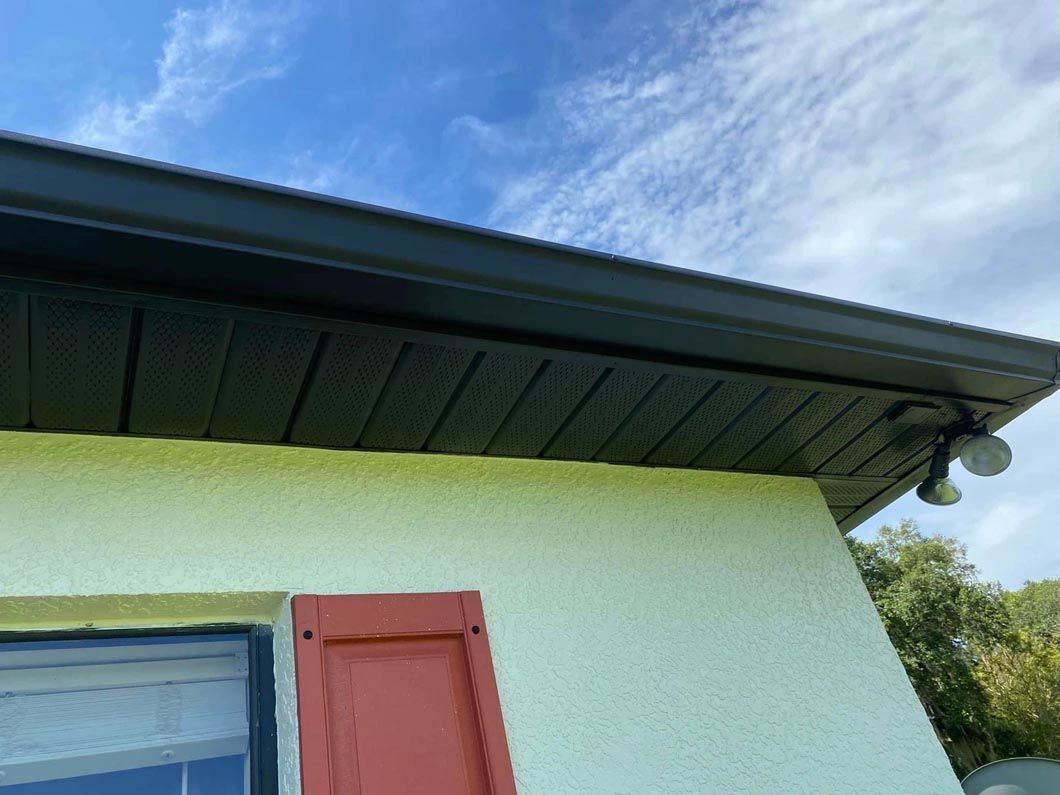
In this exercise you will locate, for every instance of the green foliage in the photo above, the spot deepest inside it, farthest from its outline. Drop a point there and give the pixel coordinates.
(1037, 606)
(985, 663)
(1022, 680)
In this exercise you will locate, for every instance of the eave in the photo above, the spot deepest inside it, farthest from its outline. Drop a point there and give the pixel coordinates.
(631, 362)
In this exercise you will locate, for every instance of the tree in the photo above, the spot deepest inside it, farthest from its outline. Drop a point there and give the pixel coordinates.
(1021, 678)
(985, 663)
(1037, 606)
(937, 615)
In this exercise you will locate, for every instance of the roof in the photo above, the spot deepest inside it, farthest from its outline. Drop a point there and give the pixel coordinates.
(147, 299)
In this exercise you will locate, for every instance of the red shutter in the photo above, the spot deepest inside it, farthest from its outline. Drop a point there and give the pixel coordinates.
(396, 696)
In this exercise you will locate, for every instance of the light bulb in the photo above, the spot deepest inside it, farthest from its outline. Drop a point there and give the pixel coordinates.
(986, 455)
(937, 488)
(939, 491)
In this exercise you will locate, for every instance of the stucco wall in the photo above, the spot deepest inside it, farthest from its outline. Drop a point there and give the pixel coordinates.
(653, 630)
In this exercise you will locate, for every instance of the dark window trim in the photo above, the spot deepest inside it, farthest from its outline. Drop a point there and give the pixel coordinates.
(261, 681)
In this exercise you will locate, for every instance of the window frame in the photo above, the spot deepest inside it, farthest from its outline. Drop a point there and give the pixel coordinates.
(261, 681)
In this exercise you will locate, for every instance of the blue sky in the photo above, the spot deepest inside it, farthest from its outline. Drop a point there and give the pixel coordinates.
(903, 154)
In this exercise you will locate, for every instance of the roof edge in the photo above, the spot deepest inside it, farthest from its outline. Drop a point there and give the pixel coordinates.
(906, 483)
(353, 258)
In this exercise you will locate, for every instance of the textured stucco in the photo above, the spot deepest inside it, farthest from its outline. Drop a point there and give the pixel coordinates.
(653, 630)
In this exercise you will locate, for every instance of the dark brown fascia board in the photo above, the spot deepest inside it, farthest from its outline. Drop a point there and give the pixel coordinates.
(84, 216)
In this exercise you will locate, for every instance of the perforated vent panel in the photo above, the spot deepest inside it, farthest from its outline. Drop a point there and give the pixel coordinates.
(78, 353)
(485, 401)
(14, 360)
(177, 373)
(796, 432)
(549, 400)
(907, 444)
(881, 434)
(343, 388)
(752, 427)
(840, 513)
(700, 427)
(262, 377)
(418, 390)
(919, 459)
(861, 416)
(614, 398)
(661, 410)
(851, 493)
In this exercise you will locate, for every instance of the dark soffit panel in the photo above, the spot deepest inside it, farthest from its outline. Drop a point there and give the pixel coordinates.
(184, 371)
(14, 360)
(178, 370)
(152, 300)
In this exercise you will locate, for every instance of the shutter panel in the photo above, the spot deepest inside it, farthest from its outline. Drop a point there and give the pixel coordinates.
(396, 695)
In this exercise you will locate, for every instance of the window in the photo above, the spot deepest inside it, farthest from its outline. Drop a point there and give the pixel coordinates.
(396, 694)
(173, 714)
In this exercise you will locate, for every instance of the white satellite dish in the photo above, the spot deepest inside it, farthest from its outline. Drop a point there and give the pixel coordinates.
(1025, 775)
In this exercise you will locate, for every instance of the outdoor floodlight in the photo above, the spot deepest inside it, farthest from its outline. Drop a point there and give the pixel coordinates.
(938, 488)
(985, 455)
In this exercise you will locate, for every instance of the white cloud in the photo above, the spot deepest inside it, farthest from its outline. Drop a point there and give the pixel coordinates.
(899, 153)
(488, 137)
(208, 53)
(874, 151)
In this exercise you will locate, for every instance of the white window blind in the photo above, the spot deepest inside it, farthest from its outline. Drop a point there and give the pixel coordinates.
(68, 712)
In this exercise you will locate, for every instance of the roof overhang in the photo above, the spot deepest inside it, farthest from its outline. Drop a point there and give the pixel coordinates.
(283, 308)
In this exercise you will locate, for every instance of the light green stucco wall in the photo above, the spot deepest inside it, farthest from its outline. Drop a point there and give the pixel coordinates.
(653, 630)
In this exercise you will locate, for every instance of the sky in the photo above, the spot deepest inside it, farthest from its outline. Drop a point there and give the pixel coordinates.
(898, 153)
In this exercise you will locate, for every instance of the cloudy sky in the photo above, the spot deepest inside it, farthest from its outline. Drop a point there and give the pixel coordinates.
(903, 154)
